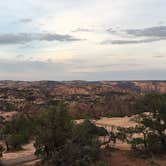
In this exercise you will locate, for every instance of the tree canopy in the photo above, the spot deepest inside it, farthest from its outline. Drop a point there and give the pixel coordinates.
(60, 141)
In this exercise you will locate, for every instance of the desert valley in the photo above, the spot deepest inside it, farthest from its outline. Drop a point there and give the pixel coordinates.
(83, 83)
(107, 104)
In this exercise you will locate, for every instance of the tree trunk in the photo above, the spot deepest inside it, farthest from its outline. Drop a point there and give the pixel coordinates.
(7, 146)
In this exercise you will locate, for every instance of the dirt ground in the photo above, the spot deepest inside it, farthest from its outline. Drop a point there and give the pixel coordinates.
(121, 157)
(8, 115)
(124, 158)
(117, 122)
(27, 150)
(25, 155)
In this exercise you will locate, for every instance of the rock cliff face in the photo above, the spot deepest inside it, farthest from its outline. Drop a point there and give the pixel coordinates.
(115, 105)
(152, 86)
(100, 98)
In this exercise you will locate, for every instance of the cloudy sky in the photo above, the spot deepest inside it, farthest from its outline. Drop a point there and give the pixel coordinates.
(83, 40)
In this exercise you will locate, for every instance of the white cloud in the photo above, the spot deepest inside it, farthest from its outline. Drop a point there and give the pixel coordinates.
(91, 19)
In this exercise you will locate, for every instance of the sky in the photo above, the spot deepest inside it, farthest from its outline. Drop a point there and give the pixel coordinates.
(83, 40)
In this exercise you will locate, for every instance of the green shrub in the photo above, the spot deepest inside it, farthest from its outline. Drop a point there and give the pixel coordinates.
(151, 126)
(112, 115)
(17, 132)
(61, 142)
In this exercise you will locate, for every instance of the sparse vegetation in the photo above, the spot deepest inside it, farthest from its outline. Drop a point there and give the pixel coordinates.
(148, 135)
(111, 115)
(64, 142)
(17, 132)
(60, 141)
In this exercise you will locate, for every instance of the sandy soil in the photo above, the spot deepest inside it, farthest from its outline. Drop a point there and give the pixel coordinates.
(27, 150)
(31, 163)
(19, 157)
(123, 158)
(116, 158)
(108, 123)
(117, 122)
(8, 115)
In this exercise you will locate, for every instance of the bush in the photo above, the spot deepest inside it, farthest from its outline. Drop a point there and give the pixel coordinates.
(61, 142)
(17, 132)
(115, 115)
(15, 141)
